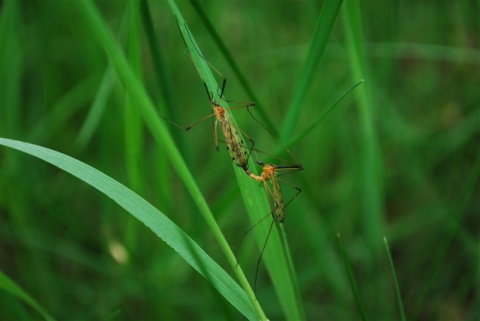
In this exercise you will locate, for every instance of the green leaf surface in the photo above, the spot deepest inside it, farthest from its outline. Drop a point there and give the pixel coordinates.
(370, 159)
(259, 107)
(323, 30)
(157, 128)
(322, 116)
(351, 278)
(276, 257)
(161, 225)
(395, 280)
(15, 290)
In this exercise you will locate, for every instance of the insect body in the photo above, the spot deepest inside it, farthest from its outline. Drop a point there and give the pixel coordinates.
(236, 147)
(277, 205)
(239, 153)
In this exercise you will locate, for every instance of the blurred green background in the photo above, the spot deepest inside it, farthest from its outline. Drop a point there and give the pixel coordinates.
(408, 169)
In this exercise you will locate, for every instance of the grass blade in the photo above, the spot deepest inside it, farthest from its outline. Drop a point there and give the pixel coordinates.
(161, 225)
(275, 256)
(233, 64)
(469, 192)
(351, 278)
(370, 158)
(133, 123)
(395, 280)
(159, 66)
(322, 32)
(322, 116)
(97, 109)
(15, 290)
(159, 131)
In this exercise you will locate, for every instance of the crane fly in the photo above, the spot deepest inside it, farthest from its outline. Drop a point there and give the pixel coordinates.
(239, 153)
(236, 147)
(271, 182)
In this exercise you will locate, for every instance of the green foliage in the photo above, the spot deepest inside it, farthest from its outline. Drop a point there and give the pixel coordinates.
(7, 285)
(393, 157)
(148, 215)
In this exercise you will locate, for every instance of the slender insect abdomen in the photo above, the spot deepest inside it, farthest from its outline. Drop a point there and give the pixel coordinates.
(269, 173)
(252, 175)
(235, 146)
(277, 199)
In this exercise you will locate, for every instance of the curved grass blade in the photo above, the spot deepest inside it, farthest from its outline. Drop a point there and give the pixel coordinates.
(233, 64)
(255, 199)
(469, 192)
(15, 290)
(351, 278)
(322, 32)
(161, 225)
(159, 66)
(395, 280)
(158, 129)
(319, 119)
(63, 110)
(370, 156)
(97, 109)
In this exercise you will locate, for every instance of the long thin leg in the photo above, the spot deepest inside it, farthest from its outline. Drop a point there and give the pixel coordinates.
(215, 134)
(210, 96)
(199, 121)
(292, 186)
(261, 255)
(245, 234)
(224, 83)
(204, 118)
(171, 122)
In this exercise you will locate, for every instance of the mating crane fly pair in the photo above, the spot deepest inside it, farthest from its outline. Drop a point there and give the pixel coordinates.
(240, 155)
